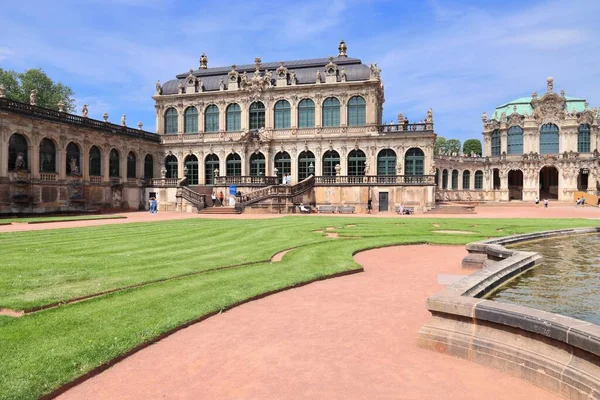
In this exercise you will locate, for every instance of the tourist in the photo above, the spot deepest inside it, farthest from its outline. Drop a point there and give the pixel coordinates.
(369, 205)
(304, 209)
(537, 201)
(221, 197)
(578, 202)
(582, 201)
(151, 205)
(545, 203)
(213, 197)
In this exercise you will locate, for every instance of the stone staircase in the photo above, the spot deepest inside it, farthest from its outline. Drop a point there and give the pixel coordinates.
(219, 211)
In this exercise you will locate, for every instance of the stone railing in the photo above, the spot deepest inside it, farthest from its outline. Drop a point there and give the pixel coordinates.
(165, 182)
(96, 179)
(374, 180)
(558, 353)
(48, 177)
(198, 200)
(278, 191)
(245, 180)
(406, 128)
(115, 180)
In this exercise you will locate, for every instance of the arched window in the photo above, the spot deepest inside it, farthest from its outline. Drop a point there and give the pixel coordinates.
(478, 180)
(283, 163)
(305, 160)
(17, 149)
(414, 162)
(466, 180)
(331, 112)
(191, 120)
(191, 163)
(73, 159)
(257, 115)
(331, 158)
(583, 138)
(148, 167)
(114, 164)
(515, 140)
(282, 115)
(211, 164)
(445, 179)
(211, 118)
(356, 163)
(131, 165)
(234, 165)
(496, 143)
(171, 166)
(357, 114)
(233, 120)
(455, 180)
(549, 139)
(257, 164)
(95, 162)
(47, 156)
(386, 162)
(171, 121)
(306, 114)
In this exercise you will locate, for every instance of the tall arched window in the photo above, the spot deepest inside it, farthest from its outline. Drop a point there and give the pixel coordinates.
(283, 163)
(466, 184)
(171, 121)
(17, 149)
(445, 179)
(114, 164)
(515, 140)
(414, 162)
(331, 112)
(306, 114)
(211, 118)
(47, 156)
(549, 139)
(282, 115)
(331, 158)
(583, 138)
(257, 115)
(257, 164)
(356, 163)
(171, 166)
(496, 147)
(191, 120)
(455, 179)
(73, 159)
(234, 165)
(95, 162)
(357, 114)
(191, 163)
(148, 167)
(478, 180)
(131, 165)
(305, 159)
(211, 164)
(233, 120)
(386, 162)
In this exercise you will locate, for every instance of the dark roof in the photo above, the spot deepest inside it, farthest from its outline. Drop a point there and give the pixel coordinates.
(306, 72)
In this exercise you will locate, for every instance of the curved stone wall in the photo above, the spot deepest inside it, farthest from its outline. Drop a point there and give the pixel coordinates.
(558, 353)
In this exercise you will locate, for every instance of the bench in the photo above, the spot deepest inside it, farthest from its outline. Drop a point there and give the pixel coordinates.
(346, 209)
(330, 209)
(406, 210)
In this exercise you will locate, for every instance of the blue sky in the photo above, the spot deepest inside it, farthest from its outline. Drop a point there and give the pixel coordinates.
(459, 57)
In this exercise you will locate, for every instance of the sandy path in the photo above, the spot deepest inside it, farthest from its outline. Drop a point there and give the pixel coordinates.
(348, 338)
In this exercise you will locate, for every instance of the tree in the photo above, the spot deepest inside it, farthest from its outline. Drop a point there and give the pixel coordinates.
(18, 86)
(440, 146)
(472, 146)
(452, 146)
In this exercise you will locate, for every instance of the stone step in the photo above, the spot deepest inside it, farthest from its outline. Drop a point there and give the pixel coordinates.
(219, 210)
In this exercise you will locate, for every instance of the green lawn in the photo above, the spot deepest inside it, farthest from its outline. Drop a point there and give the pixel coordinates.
(62, 218)
(44, 350)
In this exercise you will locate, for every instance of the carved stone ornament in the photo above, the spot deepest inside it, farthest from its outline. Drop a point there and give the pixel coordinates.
(233, 74)
(375, 72)
(343, 76)
(515, 119)
(331, 68)
(181, 87)
(221, 84)
(158, 88)
(318, 77)
(585, 117)
(33, 97)
(281, 71)
(550, 108)
(203, 61)
(293, 78)
(84, 112)
(342, 48)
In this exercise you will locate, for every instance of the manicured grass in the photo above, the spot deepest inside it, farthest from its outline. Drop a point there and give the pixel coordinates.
(64, 218)
(45, 350)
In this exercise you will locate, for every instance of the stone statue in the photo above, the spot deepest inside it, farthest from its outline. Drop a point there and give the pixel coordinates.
(293, 77)
(140, 125)
(268, 75)
(203, 61)
(245, 78)
(180, 87)
(73, 166)
(20, 161)
(337, 169)
(33, 97)
(550, 84)
(375, 71)
(221, 84)
(318, 77)
(400, 118)
(429, 118)
(158, 87)
(343, 75)
(2, 91)
(367, 167)
(342, 48)
(84, 111)
(123, 122)
(105, 117)
(534, 95)
(562, 93)
(61, 106)
(484, 116)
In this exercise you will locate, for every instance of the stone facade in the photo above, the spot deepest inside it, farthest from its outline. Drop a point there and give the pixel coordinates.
(534, 147)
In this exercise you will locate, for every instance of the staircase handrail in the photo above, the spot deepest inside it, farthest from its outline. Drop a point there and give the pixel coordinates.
(196, 199)
(278, 191)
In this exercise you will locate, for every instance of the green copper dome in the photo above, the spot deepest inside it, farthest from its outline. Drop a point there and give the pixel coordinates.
(523, 105)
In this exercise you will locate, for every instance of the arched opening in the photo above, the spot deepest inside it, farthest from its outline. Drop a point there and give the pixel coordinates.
(95, 161)
(47, 156)
(233, 120)
(306, 114)
(306, 165)
(549, 182)
(515, 185)
(190, 118)
(73, 159)
(414, 161)
(191, 164)
(114, 164)
(331, 158)
(282, 114)
(356, 163)
(171, 121)
(131, 165)
(445, 179)
(583, 179)
(466, 180)
(257, 164)
(455, 179)
(496, 179)
(515, 140)
(583, 138)
(148, 167)
(549, 139)
(211, 164)
(478, 180)
(331, 112)
(283, 164)
(257, 115)
(17, 152)
(171, 166)
(386, 162)
(234, 165)
(357, 111)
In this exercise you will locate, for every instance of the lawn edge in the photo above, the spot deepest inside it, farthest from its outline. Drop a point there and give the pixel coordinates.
(74, 220)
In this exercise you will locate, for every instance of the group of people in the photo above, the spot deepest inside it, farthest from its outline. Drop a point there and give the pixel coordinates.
(220, 198)
(537, 202)
(286, 179)
(580, 202)
(153, 205)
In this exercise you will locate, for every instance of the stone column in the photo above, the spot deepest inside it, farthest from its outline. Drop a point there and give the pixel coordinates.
(180, 164)
(222, 117)
(294, 114)
(61, 159)
(268, 115)
(244, 116)
(294, 168)
(245, 162)
(123, 165)
(34, 158)
(318, 165)
(268, 165)
(318, 114)
(201, 119)
(222, 165)
(105, 164)
(344, 112)
(159, 128)
(180, 120)
(201, 169)
(84, 162)
(3, 156)
(459, 186)
(503, 141)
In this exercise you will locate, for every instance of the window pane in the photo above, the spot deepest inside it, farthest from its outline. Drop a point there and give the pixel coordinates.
(583, 139)
(171, 121)
(282, 115)
(356, 111)
(515, 140)
(466, 183)
(211, 118)
(496, 144)
(331, 112)
(234, 118)
(549, 139)
(306, 114)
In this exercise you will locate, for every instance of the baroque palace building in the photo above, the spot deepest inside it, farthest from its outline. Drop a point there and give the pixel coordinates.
(542, 147)
(236, 130)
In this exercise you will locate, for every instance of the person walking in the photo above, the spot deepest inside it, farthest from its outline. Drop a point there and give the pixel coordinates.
(221, 197)
(545, 203)
(537, 201)
(213, 197)
(369, 205)
(151, 205)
